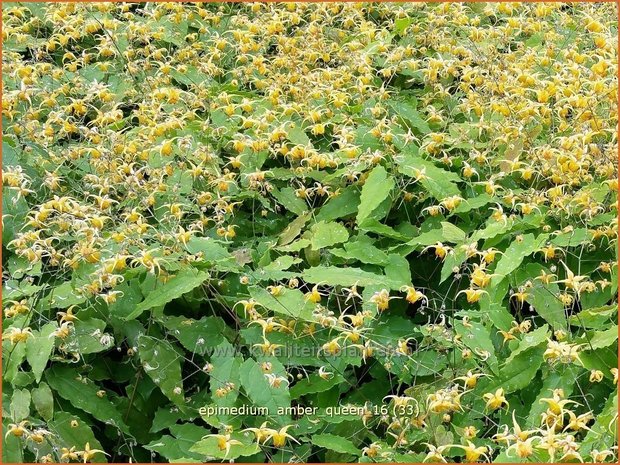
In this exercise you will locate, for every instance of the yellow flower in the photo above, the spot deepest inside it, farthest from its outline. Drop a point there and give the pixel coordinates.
(445, 401)
(279, 437)
(523, 448)
(17, 430)
(372, 450)
(479, 278)
(507, 335)
(413, 295)
(520, 296)
(471, 379)
(17, 335)
(262, 433)
(440, 250)
(313, 296)
(332, 347)
(267, 347)
(381, 299)
(473, 295)
(470, 432)
(557, 402)
(562, 352)
(68, 454)
(224, 442)
(600, 456)
(473, 453)
(580, 422)
(166, 148)
(596, 376)
(88, 453)
(495, 400)
(275, 290)
(323, 373)
(435, 454)
(489, 255)
(594, 26)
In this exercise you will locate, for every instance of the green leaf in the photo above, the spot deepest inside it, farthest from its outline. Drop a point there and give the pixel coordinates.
(174, 450)
(12, 448)
(185, 281)
(261, 393)
(452, 233)
(397, 269)
(211, 250)
(438, 182)
(335, 276)
(225, 369)
(375, 190)
(64, 296)
(374, 226)
(604, 338)
(535, 40)
(410, 114)
(83, 395)
(43, 401)
(9, 156)
(564, 380)
(132, 295)
(293, 229)
(39, 347)
(491, 304)
(296, 134)
(327, 234)
(517, 374)
(73, 431)
(291, 303)
(476, 338)
(363, 250)
(492, 229)
(340, 206)
(543, 297)
(473, 203)
(401, 24)
(604, 431)
(572, 238)
(596, 318)
(335, 443)
(515, 253)
(165, 417)
(452, 261)
(287, 198)
(314, 383)
(20, 405)
(162, 363)
(426, 362)
(86, 336)
(365, 139)
(15, 355)
(14, 290)
(197, 336)
(600, 359)
(14, 211)
(427, 238)
(209, 447)
(443, 437)
(294, 246)
(177, 448)
(528, 340)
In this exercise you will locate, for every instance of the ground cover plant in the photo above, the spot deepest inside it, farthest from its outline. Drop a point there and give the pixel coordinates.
(398, 218)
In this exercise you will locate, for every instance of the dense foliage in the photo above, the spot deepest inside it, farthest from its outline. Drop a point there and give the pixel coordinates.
(404, 209)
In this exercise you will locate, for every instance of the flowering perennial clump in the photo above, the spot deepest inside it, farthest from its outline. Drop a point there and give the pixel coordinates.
(406, 212)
